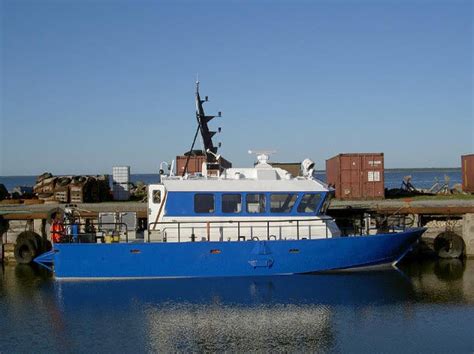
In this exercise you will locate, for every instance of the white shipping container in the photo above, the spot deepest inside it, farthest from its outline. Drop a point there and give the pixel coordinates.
(120, 185)
(121, 168)
(121, 174)
(121, 181)
(121, 178)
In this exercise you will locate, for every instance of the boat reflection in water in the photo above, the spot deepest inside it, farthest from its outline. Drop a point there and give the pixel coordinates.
(365, 312)
(254, 313)
(333, 289)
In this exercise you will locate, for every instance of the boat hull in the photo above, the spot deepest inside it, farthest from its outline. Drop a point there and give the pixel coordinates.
(222, 259)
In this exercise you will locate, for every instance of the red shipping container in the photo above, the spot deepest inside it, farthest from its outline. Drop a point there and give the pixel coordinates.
(357, 176)
(195, 164)
(467, 166)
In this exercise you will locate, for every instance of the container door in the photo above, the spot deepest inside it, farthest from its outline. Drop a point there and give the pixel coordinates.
(373, 178)
(468, 173)
(356, 177)
(350, 177)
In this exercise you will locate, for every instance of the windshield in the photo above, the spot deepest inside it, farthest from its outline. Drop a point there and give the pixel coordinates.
(327, 202)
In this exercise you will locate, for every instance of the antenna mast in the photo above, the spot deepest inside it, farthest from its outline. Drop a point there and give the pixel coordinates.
(202, 119)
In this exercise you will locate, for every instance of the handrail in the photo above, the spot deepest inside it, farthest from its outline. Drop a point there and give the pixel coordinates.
(321, 218)
(179, 226)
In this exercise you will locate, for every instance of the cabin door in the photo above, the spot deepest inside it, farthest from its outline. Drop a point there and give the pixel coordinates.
(156, 202)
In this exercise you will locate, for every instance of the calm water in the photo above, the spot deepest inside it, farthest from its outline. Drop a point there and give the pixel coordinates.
(393, 178)
(427, 308)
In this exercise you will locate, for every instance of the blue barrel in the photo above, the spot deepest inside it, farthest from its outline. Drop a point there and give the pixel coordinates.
(75, 232)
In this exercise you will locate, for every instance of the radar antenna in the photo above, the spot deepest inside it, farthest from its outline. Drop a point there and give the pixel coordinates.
(262, 155)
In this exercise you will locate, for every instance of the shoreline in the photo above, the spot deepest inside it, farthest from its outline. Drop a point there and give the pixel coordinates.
(395, 169)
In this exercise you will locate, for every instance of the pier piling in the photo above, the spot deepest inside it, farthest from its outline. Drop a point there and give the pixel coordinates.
(468, 233)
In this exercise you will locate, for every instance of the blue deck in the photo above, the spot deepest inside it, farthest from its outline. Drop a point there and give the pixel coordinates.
(216, 259)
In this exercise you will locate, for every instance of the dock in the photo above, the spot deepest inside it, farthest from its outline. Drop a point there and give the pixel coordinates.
(438, 215)
(384, 206)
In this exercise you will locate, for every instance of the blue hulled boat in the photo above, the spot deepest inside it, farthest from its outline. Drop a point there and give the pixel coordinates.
(232, 222)
(226, 258)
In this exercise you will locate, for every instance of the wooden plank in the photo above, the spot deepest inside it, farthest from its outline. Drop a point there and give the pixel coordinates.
(459, 210)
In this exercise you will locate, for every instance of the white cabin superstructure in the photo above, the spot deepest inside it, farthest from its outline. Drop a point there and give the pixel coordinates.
(262, 202)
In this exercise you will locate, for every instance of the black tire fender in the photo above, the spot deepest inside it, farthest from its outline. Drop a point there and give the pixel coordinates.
(25, 251)
(448, 244)
(32, 236)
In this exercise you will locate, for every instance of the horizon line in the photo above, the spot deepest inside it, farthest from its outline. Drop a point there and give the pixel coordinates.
(156, 173)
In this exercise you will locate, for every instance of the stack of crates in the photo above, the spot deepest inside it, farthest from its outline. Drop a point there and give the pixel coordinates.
(121, 182)
(76, 193)
(61, 194)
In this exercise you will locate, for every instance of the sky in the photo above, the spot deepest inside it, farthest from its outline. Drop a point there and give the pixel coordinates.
(91, 84)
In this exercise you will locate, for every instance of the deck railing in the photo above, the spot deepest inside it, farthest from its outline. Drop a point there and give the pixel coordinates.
(243, 229)
(215, 230)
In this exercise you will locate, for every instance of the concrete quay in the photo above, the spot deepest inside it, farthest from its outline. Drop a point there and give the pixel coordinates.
(410, 206)
(403, 206)
(438, 215)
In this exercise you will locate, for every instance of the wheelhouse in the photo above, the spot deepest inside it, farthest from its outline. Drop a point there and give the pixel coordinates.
(242, 204)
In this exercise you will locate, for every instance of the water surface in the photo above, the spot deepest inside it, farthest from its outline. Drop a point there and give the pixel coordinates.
(429, 307)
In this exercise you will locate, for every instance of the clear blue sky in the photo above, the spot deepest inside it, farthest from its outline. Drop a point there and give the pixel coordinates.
(87, 85)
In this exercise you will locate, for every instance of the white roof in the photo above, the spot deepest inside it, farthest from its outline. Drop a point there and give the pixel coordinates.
(261, 178)
(229, 185)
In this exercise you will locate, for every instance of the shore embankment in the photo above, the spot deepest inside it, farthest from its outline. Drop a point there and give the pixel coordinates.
(437, 214)
(405, 205)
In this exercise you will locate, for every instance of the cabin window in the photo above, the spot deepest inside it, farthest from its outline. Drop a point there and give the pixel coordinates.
(282, 203)
(255, 203)
(327, 201)
(309, 203)
(204, 203)
(231, 203)
(156, 196)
